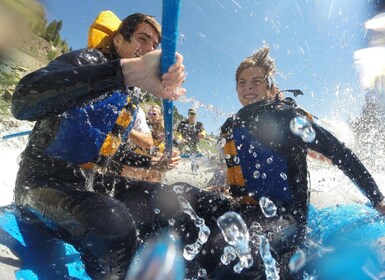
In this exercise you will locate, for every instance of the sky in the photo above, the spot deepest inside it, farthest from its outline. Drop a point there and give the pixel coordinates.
(312, 42)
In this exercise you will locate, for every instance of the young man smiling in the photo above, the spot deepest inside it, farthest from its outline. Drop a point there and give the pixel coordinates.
(84, 104)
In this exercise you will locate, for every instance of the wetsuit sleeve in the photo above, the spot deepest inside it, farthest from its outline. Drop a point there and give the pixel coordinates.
(341, 156)
(72, 79)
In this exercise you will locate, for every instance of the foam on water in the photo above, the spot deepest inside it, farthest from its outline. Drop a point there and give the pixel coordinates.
(10, 151)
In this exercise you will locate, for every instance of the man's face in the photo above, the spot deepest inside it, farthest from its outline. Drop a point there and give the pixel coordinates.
(252, 86)
(143, 40)
(192, 117)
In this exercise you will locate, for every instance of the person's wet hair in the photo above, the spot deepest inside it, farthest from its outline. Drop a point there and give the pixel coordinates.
(261, 59)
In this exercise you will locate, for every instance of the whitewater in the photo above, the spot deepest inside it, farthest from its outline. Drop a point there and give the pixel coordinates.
(329, 186)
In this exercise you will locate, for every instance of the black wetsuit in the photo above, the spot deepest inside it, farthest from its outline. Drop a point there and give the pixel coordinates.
(59, 191)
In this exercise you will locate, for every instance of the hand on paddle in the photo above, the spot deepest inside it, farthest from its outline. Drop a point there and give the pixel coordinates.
(163, 163)
(143, 72)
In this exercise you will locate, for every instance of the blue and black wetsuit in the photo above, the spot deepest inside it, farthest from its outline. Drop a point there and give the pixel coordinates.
(267, 158)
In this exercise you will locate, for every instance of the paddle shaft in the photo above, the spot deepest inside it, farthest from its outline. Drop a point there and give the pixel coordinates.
(170, 16)
(18, 134)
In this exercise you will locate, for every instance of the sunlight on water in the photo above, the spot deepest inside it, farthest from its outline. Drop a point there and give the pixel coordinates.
(10, 151)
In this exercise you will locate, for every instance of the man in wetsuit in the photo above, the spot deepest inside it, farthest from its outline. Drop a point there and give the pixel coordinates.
(190, 131)
(84, 104)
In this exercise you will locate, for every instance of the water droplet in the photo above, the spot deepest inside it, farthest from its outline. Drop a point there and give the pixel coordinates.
(202, 273)
(235, 232)
(171, 222)
(297, 261)
(283, 176)
(302, 127)
(156, 211)
(236, 160)
(228, 255)
(190, 251)
(178, 189)
(268, 207)
(269, 160)
(256, 174)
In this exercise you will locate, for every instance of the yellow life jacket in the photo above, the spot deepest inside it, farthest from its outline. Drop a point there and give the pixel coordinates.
(101, 31)
(234, 169)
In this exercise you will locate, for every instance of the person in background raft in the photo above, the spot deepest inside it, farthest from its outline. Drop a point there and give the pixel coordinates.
(189, 132)
(266, 147)
(155, 122)
(136, 152)
(84, 104)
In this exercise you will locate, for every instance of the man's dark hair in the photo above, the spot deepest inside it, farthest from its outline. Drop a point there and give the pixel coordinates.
(130, 23)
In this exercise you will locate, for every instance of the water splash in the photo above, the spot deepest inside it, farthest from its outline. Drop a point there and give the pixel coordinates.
(297, 261)
(179, 189)
(200, 104)
(254, 231)
(235, 232)
(191, 250)
(228, 255)
(302, 127)
(268, 207)
(268, 260)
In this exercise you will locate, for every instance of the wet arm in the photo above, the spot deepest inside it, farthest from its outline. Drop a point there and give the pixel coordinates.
(141, 139)
(70, 80)
(341, 156)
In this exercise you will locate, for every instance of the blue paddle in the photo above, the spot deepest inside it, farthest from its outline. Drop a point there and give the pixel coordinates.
(18, 134)
(170, 15)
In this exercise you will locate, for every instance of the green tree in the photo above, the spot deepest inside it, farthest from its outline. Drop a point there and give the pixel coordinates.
(52, 33)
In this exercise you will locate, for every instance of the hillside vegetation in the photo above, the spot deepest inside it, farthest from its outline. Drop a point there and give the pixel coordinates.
(27, 42)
